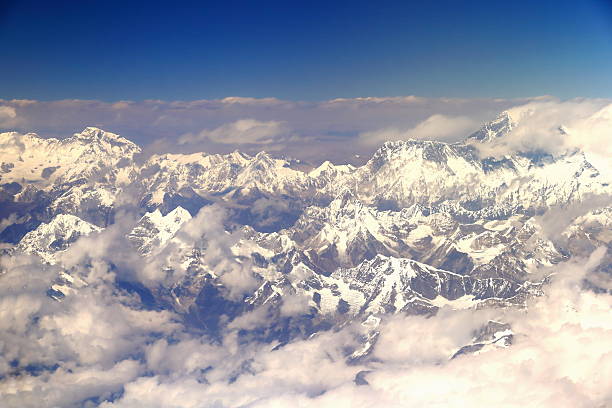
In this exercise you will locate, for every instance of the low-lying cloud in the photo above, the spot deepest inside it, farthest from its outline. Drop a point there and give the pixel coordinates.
(99, 347)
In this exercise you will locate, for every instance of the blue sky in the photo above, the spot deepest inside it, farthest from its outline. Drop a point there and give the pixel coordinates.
(308, 51)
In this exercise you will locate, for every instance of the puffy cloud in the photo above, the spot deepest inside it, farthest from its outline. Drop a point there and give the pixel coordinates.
(243, 131)
(560, 341)
(557, 127)
(8, 114)
(314, 131)
(99, 345)
(63, 353)
(236, 275)
(295, 305)
(68, 386)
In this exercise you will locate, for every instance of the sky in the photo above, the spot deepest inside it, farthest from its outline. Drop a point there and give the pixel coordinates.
(310, 51)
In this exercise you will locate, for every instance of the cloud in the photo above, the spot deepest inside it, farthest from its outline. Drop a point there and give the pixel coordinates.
(314, 131)
(62, 353)
(243, 131)
(559, 342)
(558, 127)
(69, 387)
(98, 344)
(8, 114)
(436, 127)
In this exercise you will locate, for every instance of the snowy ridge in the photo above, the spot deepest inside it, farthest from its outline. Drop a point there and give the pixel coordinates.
(91, 154)
(57, 235)
(154, 230)
(498, 127)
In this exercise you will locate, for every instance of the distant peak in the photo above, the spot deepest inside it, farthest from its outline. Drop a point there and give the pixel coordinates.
(504, 116)
(66, 218)
(238, 155)
(92, 133)
(179, 213)
(498, 127)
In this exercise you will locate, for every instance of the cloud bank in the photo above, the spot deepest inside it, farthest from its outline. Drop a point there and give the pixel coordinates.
(335, 130)
(557, 127)
(101, 347)
(315, 131)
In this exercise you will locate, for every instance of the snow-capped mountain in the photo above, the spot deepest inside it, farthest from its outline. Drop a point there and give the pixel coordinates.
(82, 175)
(497, 128)
(154, 230)
(57, 235)
(92, 155)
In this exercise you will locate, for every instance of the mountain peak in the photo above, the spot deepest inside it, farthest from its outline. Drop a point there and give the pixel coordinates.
(91, 133)
(56, 235)
(503, 124)
(154, 229)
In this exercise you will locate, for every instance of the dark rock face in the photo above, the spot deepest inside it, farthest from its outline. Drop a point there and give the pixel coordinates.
(360, 378)
(213, 310)
(186, 198)
(48, 171)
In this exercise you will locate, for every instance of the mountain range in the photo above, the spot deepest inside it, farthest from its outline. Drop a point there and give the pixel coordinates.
(422, 225)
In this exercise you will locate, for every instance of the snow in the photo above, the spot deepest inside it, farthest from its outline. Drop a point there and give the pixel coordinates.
(63, 227)
(464, 302)
(154, 230)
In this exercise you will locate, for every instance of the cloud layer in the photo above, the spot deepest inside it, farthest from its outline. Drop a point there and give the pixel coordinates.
(100, 347)
(336, 130)
(307, 130)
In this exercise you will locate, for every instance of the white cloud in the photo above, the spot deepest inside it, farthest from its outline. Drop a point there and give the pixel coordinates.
(8, 114)
(560, 356)
(243, 131)
(306, 130)
(68, 386)
(557, 127)
(436, 127)
(560, 342)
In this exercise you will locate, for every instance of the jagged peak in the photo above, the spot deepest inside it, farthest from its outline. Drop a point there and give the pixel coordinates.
(179, 213)
(329, 167)
(92, 133)
(263, 155)
(66, 219)
(238, 155)
(153, 215)
(24, 140)
(410, 145)
(503, 123)
(62, 224)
